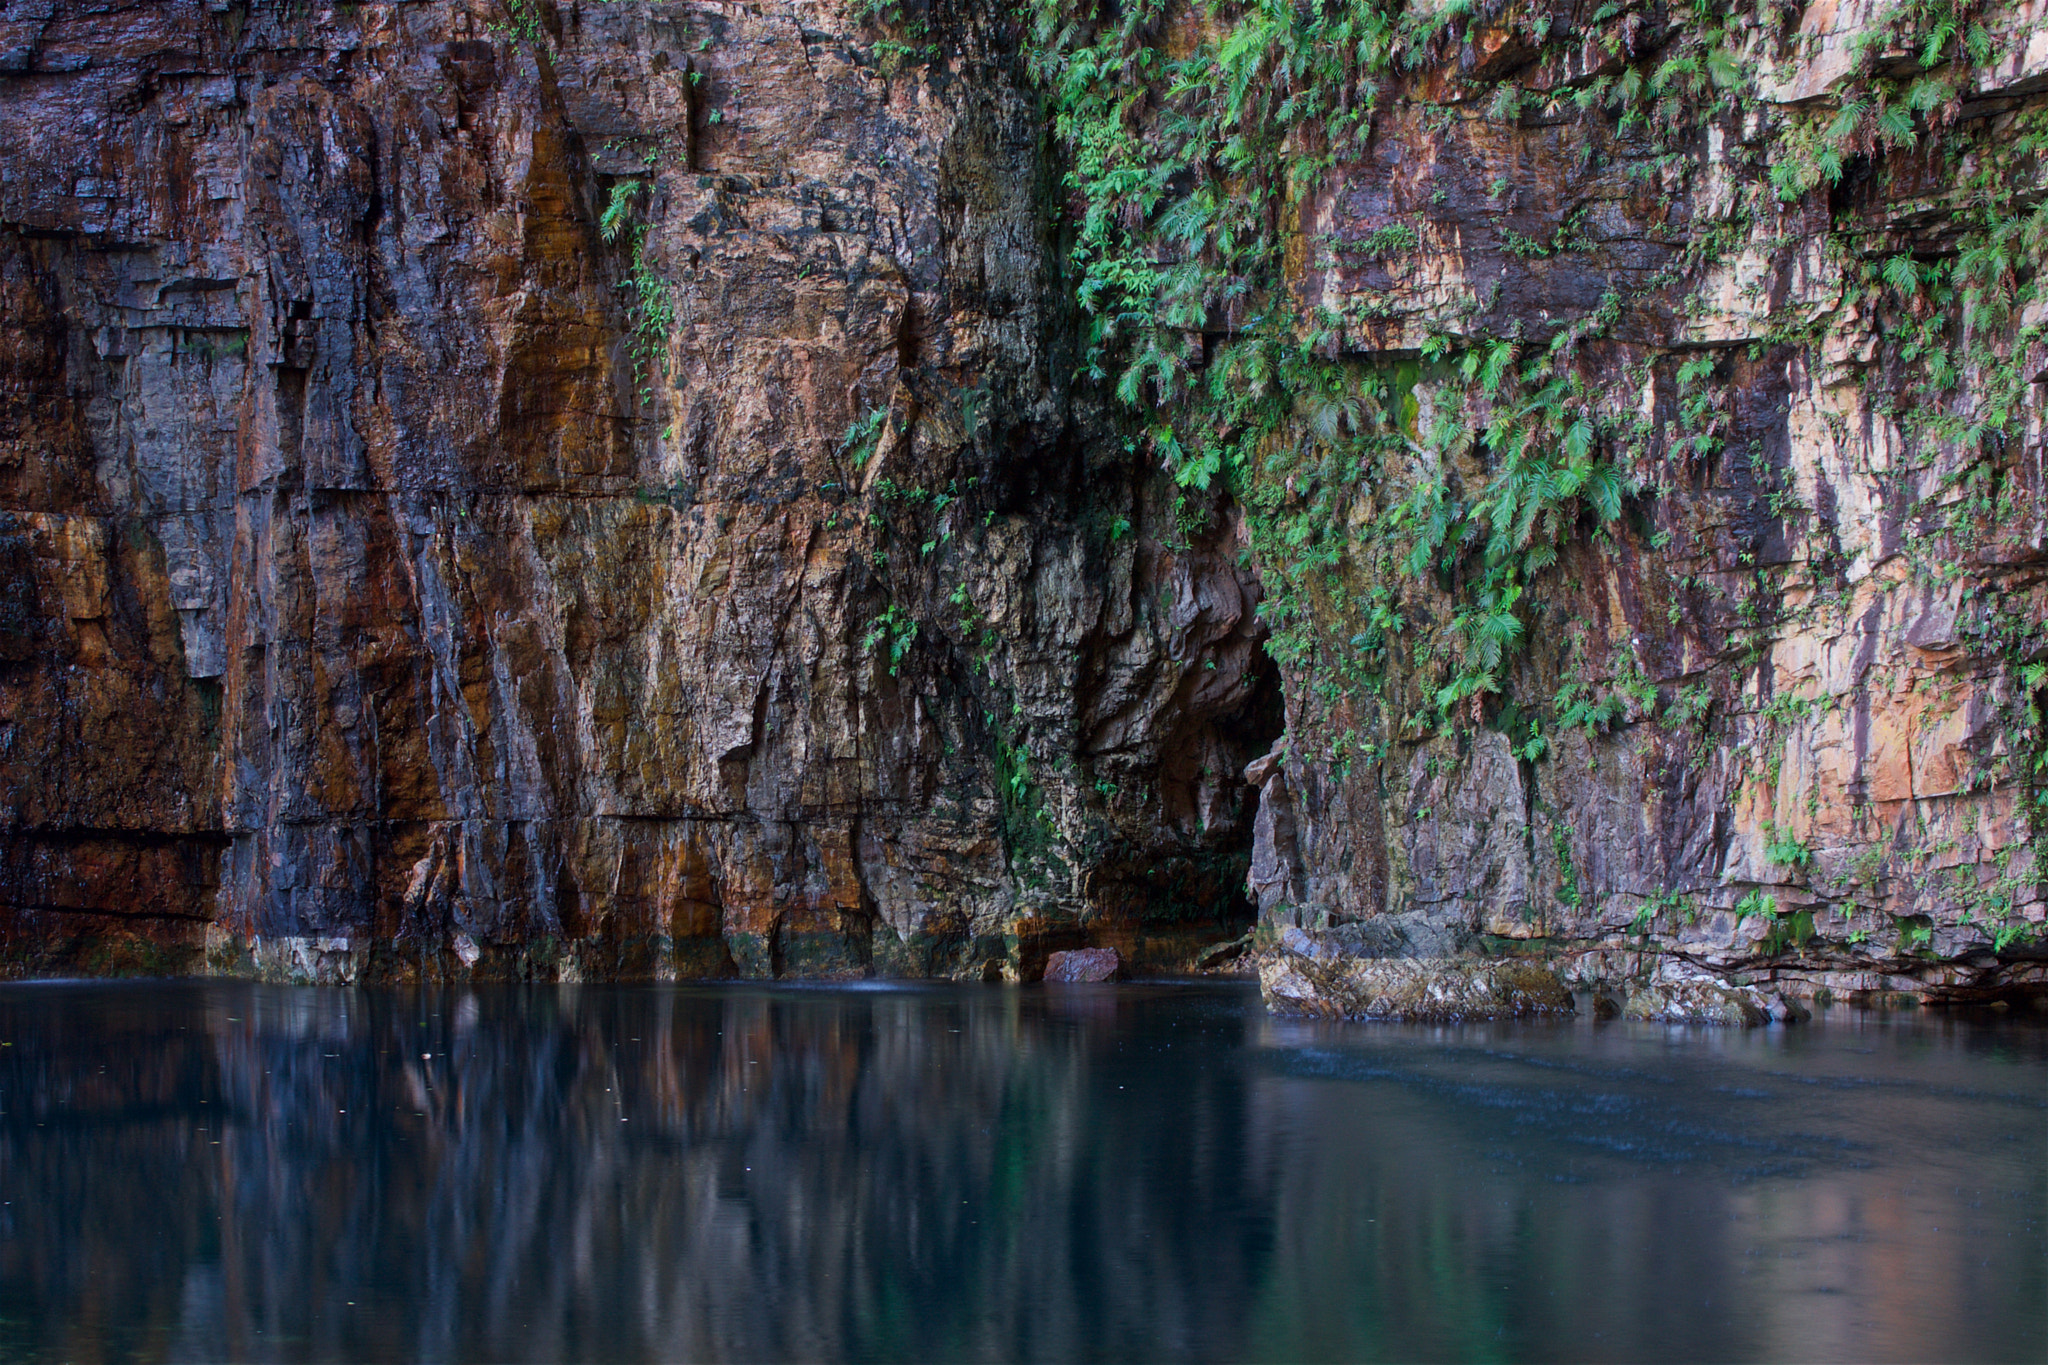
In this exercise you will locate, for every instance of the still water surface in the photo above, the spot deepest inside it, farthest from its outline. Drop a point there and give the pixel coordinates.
(200, 1171)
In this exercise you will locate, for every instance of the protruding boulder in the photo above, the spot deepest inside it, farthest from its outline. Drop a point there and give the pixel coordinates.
(1084, 964)
(1219, 955)
(1699, 1000)
(1408, 988)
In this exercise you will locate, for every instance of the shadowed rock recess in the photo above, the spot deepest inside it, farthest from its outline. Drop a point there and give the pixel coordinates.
(586, 490)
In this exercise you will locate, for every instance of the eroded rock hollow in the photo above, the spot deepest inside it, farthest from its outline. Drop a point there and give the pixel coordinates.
(617, 489)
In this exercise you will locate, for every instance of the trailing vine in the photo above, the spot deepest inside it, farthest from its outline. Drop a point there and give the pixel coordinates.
(1187, 175)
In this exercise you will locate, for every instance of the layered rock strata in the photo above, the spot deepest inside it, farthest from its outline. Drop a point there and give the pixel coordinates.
(1652, 504)
(639, 489)
(579, 489)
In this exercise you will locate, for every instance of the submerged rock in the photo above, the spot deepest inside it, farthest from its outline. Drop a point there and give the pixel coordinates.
(1697, 1002)
(1084, 964)
(1409, 988)
(1788, 1009)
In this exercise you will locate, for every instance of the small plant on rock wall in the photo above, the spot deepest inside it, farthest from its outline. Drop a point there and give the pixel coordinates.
(862, 436)
(653, 308)
(1029, 834)
(1578, 708)
(1688, 708)
(522, 22)
(1677, 904)
(2034, 682)
(1756, 905)
(1393, 240)
(1785, 849)
(895, 628)
(1567, 875)
(1915, 934)
(905, 19)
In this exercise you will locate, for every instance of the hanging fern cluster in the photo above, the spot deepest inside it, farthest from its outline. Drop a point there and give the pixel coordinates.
(1194, 136)
(1187, 174)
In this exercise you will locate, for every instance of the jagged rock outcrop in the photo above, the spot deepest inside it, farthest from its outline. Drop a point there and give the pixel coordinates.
(1322, 975)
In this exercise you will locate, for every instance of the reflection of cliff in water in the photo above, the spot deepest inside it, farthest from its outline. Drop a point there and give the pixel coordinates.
(207, 1170)
(608, 1172)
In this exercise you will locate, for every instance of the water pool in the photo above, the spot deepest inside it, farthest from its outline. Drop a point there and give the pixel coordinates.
(201, 1170)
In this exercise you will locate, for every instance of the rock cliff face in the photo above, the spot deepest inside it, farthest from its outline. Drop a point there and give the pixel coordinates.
(641, 489)
(1651, 508)
(575, 489)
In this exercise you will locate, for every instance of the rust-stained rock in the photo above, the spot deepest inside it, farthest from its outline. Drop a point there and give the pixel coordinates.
(402, 573)
(616, 499)
(1084, 964)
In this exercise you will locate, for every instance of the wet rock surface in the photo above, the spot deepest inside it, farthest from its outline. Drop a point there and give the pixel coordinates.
(595, 493)
(1313, 975)
(1701, 1001)
(1083, 964)
(603, 490)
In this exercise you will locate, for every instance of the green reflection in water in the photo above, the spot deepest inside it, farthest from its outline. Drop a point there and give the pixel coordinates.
(210, 1170)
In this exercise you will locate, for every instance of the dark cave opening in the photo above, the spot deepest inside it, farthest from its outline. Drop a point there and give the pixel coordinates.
(1179, 896)
(1258, 728)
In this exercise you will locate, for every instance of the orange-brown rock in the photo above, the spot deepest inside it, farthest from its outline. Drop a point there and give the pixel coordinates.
(411, 567)
(607, 488)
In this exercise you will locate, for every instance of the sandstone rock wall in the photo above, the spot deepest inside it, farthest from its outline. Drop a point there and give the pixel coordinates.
(435, 541)
(618, 488)
(1807, 660)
